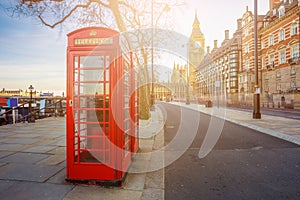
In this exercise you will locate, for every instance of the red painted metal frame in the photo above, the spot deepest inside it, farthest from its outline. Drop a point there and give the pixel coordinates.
(85, 146)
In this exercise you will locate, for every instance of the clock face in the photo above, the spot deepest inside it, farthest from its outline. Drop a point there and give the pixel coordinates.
(198, 44)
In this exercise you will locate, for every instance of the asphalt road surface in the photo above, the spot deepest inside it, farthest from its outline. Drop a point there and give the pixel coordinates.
(243, 164)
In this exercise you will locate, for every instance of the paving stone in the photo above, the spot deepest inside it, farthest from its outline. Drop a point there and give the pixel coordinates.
(24, 158)
(58, 178)
(21, 141)
(6, 134)
(34, 191)
(58, 150)
(25, 135)
(2, 164)
(53, 160)
(135, 181)
(4, 185)
(5, 153)
(59, 142)
(139, 166)
(39, 149)
(155, 179)
(11, 147)
(153, 194)
(63, 164)
(28, 172)
(96, 193)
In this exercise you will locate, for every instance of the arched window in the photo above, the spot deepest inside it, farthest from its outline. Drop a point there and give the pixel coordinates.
(282, 56)
(294, 28)
(281, 11)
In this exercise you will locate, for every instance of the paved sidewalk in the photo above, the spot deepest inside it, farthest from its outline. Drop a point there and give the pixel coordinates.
(280, 127)
(32, 164)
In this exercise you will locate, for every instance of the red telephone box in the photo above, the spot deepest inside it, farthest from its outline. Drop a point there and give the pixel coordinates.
(102, 108)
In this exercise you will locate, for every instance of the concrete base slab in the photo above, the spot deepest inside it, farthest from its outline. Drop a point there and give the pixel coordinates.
(96, 193)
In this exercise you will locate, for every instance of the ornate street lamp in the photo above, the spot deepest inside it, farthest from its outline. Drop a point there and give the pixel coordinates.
(30, 117)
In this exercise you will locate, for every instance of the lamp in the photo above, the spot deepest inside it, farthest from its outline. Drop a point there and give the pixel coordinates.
(30, 118)
(256, 95)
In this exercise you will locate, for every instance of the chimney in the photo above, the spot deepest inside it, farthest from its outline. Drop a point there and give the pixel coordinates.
(239, 24)
(215, 44)
(226, 34)
(208, 49)
(247, 7)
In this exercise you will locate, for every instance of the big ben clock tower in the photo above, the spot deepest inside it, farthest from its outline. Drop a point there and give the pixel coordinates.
(196, 51)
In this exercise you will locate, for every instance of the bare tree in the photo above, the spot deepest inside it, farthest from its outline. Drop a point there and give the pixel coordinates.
(122, 15)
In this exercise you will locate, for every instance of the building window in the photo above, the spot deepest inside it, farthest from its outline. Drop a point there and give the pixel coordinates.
(293, 70)
(246, 32)
(290, 1)
(247, 65)
(281, 35)
(271, 40)
(278, 74)
(263, 62)
(282, 57)
(295, 52)
(278, 86)
(294, 28)
(281, 11)
(232, 84)
(271, 60)
(262, 44)
(247, 48)
(233, 55)
(293, 83)
(233, 64)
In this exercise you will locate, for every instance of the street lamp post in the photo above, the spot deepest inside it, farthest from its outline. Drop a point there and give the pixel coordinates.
(152, 108)
(30, 117)
(187, 76)
(256, 96)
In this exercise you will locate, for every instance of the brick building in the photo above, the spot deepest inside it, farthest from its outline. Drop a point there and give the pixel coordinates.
(232, 64)
(279, 52)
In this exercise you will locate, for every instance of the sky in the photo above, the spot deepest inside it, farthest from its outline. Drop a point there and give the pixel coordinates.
(32, 54)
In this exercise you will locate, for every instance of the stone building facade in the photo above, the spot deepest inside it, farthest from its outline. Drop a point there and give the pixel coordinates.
(217, 74)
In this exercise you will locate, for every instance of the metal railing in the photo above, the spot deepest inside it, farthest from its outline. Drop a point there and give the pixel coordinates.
(293, 60)
(31, 116)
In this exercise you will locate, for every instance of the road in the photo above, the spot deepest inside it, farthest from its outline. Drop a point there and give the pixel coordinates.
(244, 164)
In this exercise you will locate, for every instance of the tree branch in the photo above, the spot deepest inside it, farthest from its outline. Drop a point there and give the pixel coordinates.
(70, 13)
